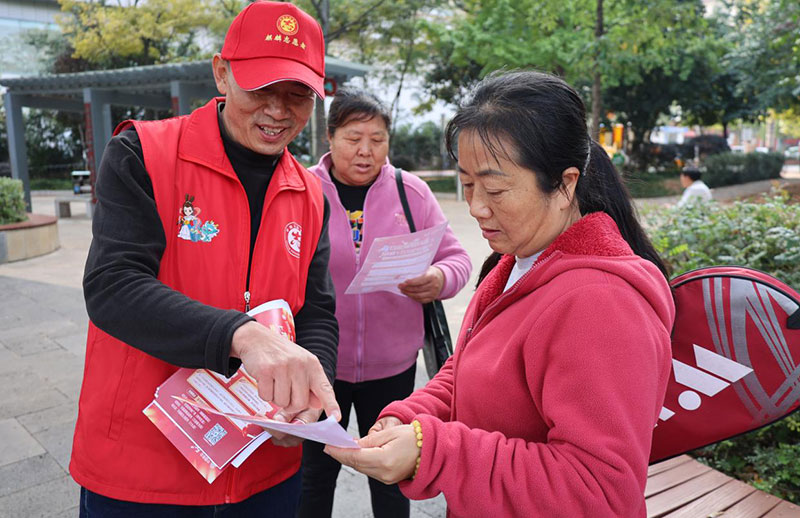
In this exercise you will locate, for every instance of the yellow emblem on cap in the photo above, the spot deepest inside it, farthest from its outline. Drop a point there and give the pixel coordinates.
(288, 25)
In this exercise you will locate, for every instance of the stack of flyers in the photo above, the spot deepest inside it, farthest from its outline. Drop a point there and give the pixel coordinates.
(211, 441)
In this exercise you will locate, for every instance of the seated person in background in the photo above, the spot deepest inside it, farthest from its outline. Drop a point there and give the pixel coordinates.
(694, 188)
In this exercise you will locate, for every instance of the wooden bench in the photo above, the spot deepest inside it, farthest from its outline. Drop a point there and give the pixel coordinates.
(63, 209)
(684, 488)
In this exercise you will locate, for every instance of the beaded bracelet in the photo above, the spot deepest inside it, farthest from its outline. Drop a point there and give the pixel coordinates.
(418, 432)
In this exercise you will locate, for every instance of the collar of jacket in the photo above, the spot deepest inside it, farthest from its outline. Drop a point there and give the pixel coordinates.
(201, 143)
(595, 234)
(326, 164)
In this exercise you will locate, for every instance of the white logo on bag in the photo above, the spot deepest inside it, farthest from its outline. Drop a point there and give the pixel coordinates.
(293, 234)
(701, 381)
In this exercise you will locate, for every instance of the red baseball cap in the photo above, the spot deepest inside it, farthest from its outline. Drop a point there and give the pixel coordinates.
(269, 42)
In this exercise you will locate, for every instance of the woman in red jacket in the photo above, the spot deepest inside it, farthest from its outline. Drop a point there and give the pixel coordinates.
(547, 407)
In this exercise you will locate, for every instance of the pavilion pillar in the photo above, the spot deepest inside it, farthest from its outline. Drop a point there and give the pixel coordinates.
(17, 152)
(184, 92)
(97, 112)
(181, 103)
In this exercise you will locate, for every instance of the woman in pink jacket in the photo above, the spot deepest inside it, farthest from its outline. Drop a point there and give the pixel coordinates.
(547, 407)
(380, 333)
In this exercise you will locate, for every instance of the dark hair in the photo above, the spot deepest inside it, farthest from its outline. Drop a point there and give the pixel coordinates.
(352, 104)
(543, 120)
(692, 172)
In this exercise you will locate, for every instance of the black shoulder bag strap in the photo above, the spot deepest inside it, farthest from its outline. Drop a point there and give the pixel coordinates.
(438, 344)
(401, 189)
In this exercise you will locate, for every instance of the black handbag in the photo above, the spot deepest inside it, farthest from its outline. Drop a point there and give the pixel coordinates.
(438, 346)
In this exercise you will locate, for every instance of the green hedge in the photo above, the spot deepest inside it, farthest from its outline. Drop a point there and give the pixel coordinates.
(441, 183)
(765, 236)
(12, 201)
(735, 168)
(649, 185)
(51, 184)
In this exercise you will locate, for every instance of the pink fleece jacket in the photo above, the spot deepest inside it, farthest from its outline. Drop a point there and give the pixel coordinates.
(548, 406)
(380, 333)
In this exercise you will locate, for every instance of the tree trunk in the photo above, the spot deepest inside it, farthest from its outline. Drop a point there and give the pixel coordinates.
(395, 108)
(638, 159)
(319, 141)
(597, 101)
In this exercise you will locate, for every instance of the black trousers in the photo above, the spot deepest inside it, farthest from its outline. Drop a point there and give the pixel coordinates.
(320, 470)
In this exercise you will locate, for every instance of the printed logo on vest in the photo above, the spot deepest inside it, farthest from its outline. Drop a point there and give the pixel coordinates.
(191, 227)
(293, 234)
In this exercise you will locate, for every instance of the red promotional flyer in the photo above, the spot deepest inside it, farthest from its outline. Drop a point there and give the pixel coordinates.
(210, 442)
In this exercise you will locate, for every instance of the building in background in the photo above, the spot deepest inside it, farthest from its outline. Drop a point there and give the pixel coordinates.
(16, 17)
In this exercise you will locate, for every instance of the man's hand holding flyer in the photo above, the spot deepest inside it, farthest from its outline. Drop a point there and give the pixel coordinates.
(215, 421)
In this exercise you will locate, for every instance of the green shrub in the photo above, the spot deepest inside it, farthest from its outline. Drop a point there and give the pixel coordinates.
(650, 185)
(441, 183)
(417, 147)
(404, 162)
(734, 168)
(765, 236)
(51, 184)
(12, 201)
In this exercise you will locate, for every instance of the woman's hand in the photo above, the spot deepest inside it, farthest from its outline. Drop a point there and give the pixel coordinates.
(385, 424)
(425, 288)
(389, 455)
(307, 416)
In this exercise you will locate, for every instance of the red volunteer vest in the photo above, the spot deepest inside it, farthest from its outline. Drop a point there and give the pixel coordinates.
(117, 451)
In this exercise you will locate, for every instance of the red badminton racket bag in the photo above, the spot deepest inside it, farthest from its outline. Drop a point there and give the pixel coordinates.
(735, 358)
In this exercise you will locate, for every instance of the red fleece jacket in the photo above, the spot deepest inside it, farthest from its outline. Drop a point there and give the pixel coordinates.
(548, 406)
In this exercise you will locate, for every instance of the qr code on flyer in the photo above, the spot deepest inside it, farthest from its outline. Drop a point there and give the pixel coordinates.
(214, 435)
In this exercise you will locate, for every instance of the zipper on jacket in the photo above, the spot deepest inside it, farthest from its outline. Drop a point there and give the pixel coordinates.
(501, 297)
(229, 490)
(251, 250)
(360, 297)
(474, 325)
(252, 247)
(360, 342)
(360, 309)
(360, 303)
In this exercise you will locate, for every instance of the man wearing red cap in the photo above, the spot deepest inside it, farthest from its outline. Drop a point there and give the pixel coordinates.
(199, 218)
